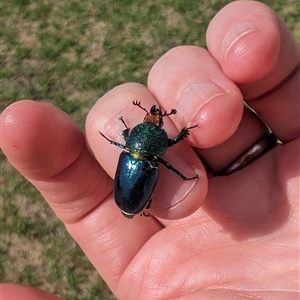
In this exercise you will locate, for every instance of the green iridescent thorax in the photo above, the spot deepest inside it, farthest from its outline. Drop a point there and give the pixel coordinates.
(147, 138)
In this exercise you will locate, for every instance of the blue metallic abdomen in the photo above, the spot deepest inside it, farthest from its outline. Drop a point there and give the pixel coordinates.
(147, 138)
(134, 183)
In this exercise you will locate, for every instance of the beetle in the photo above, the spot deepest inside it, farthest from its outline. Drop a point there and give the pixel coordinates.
(138, 167)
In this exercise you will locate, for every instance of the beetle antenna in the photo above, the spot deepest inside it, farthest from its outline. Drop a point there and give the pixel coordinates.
(138, 103)
(172, 112)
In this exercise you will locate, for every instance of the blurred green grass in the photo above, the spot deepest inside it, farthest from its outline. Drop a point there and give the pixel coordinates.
(70, 53)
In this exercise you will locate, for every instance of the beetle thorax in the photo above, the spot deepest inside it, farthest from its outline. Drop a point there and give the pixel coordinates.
(147, 139)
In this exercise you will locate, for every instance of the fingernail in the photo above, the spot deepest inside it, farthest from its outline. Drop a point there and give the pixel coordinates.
(193, 98)
(235, 33)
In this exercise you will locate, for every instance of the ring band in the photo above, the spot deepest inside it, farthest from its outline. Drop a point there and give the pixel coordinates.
(259, 148)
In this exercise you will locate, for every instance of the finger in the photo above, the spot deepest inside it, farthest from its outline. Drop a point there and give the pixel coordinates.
(223, 131)
(189, 79)
(255, 49)
(173, 198)
(49, 150)
(11, 291)
(222, 155)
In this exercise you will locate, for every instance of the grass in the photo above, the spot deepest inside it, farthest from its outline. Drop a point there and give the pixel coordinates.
(72, 52)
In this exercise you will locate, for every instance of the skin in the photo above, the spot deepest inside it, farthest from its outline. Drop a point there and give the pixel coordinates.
(216, 238)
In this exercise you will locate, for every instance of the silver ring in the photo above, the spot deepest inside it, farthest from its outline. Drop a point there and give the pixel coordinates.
(259, 148)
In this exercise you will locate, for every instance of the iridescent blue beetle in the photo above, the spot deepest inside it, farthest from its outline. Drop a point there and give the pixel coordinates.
(137, 171)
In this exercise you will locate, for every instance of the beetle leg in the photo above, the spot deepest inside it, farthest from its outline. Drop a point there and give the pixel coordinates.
(113, 142)
(125, 132)
(170, 167)
(145, 213)
(181, 135)
(138, 103)
(121, 119)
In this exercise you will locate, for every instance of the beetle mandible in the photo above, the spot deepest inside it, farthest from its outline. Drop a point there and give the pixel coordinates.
(137, 171)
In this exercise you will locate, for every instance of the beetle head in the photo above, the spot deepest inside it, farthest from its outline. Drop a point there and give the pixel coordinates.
(155, 116)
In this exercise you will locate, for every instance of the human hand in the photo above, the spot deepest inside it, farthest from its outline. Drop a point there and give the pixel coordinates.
(243, 241)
